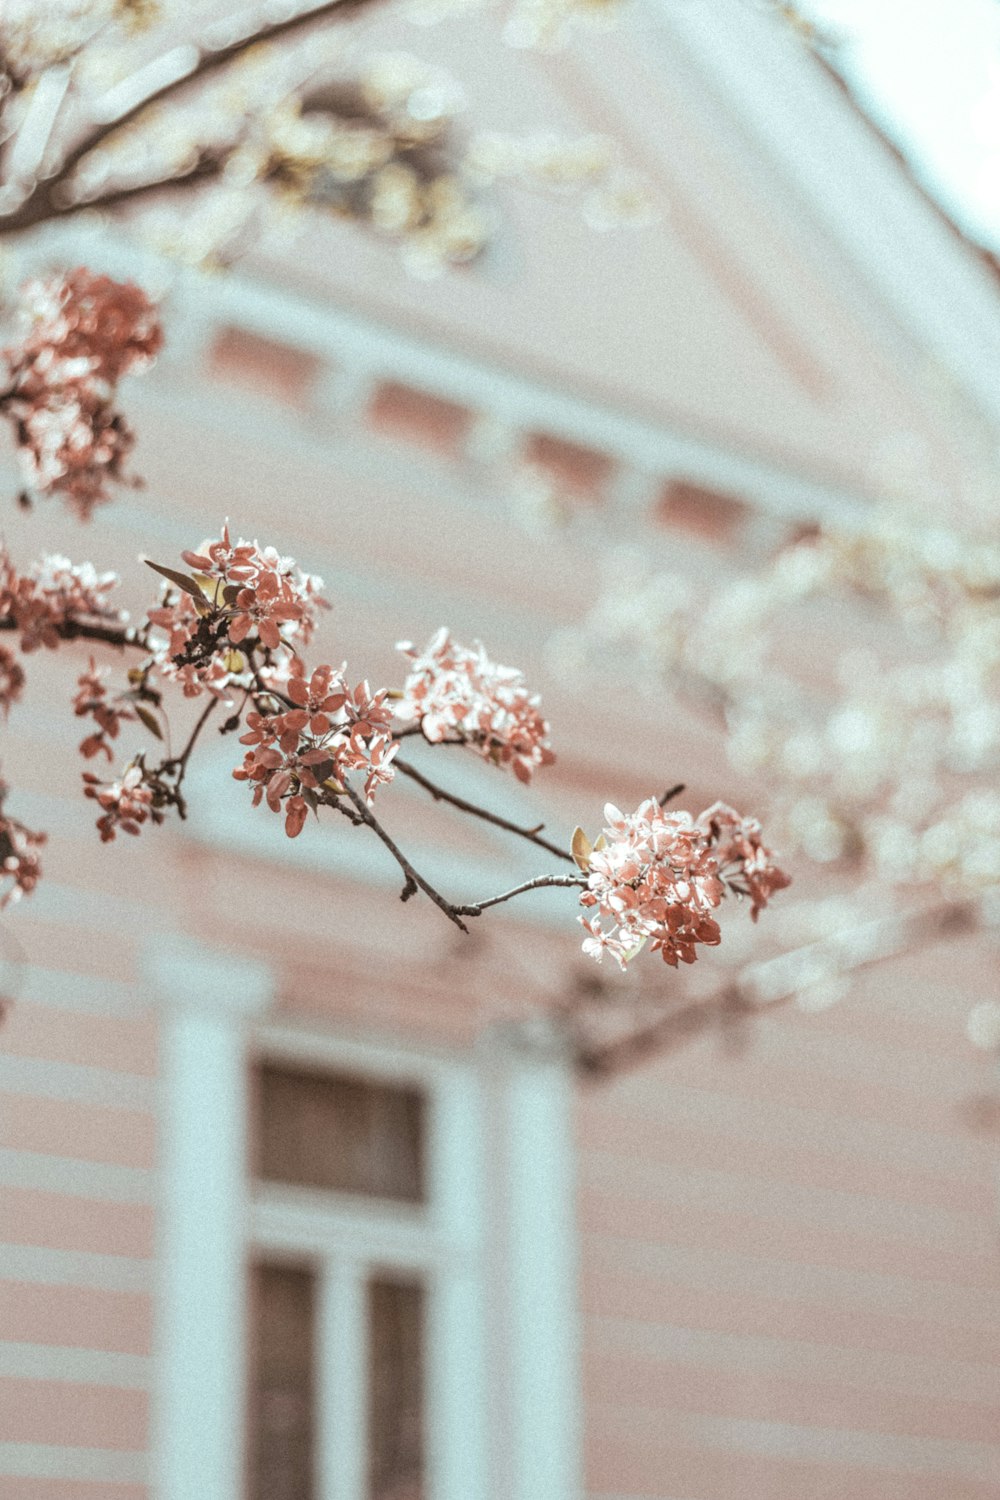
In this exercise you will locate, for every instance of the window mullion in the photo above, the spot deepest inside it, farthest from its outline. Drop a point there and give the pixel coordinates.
(342, 1383)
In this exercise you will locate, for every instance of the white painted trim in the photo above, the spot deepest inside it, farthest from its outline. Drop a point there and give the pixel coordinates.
(287, 1222)
(45, 1461)
(536, 1446)
(79, 993)
(375, 351)
(80, 1268)
(76, 1179)
(342, 1380)
(457, 1378)
(75, 1083)
(361, 1054)
(207, 1000)
(846, 178)
(130, 1372)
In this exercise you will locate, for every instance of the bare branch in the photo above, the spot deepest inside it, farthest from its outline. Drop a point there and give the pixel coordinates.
(539, 883)
(440, 795)
(410, 874)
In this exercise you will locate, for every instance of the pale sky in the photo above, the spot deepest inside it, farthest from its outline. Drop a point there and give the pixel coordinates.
(931, 71)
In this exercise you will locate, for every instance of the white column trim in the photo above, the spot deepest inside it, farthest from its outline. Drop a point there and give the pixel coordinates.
(535, 1406)
(342, 1381)
(457, 1384)
(208, 999)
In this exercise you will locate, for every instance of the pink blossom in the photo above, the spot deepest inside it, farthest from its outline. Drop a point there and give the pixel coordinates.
(655, 880)
(328, 732)
(655, 877)
(92, 699)
(453, 692)
(126, 803)
(251, 595)
(82, 333)
(20, 867)
(747, 865)
(54, 594)
(80, 323)
(11, 680)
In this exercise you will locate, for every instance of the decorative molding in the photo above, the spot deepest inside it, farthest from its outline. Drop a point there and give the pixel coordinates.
(933, 284)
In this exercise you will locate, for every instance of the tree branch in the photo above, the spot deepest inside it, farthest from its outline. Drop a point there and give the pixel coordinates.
(412, 878)
(440, 795)
(49, 199)
(539, 882)
(770, 983)
(119, 636)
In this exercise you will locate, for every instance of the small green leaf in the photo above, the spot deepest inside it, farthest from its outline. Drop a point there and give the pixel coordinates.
(181, 580)
(581, 849)
(147, 717)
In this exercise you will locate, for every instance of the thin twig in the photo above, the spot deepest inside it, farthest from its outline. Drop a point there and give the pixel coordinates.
(412, 877)
(674, 791)
(539, 882)
(182, 760)
(440, 795)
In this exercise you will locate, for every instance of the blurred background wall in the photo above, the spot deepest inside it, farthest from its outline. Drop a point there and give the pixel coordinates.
(303, 1194)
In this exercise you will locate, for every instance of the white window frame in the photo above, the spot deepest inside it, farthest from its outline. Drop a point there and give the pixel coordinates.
(495, 1246)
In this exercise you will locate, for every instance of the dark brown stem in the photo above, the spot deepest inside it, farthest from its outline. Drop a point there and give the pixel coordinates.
(674, 791)
(49, 199)
(412, 878)
(440, 795)
(120, 636)
(539, 883)
(181, 763)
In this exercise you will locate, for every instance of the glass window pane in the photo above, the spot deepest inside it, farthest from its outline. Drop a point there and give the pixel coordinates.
(348, 1135)
(395, 1393)
(281, 1399)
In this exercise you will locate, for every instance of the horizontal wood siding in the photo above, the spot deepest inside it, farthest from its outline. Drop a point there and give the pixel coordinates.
(790, 1272)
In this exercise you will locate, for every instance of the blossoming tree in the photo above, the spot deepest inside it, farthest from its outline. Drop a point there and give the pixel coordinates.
(233, 628)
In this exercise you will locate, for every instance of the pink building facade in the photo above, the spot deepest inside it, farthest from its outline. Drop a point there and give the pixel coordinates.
(304, 1197)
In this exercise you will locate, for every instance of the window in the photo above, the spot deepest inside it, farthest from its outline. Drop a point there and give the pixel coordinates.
(392, 1319)
(340, 1255)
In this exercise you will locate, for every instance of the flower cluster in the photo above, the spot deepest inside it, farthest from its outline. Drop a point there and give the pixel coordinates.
(82, 334)
(745, 863)
(125, 803)
(92, 700)
(53, 594)
(239, 591)
(20, 868)
(453, 691)
(656, 876)
(11, 680)
(328, 732)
